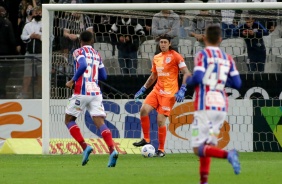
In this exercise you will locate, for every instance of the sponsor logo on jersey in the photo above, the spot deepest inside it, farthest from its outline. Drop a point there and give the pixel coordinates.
(77, 102)
(166, 108)
(159, 67)
(163, 74)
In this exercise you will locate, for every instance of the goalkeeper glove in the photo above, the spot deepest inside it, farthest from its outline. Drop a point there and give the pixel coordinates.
(139, 93)
(180, 94)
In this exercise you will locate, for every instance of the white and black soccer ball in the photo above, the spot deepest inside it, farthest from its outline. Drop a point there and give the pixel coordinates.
(148, 151)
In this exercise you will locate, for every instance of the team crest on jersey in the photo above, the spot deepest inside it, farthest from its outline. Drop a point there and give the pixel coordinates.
(167, 59)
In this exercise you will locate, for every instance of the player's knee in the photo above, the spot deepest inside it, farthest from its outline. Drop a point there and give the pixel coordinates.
(69, 118)
(144, 111)
(161, 123)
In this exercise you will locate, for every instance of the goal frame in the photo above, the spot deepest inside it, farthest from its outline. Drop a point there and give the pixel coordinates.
(47, 28)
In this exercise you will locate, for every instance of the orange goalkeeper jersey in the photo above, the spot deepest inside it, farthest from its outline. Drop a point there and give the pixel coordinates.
(167, 65)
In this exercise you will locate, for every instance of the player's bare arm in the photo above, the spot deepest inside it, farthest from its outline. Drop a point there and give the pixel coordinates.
(70, 83)
(186, 73)
(69, 35)
(151, 80)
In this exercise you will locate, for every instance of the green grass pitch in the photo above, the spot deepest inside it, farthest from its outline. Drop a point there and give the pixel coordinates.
(257, 168)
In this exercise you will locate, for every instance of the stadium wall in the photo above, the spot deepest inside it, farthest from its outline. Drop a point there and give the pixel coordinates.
(247, 128)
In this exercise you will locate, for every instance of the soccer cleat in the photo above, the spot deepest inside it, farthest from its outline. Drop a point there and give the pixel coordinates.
(233, 159)
(159, 153)
(113, 159)
(140, 143)
(86, 154)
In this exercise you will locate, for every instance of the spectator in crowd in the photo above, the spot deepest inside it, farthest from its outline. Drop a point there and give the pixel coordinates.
(3, 3)
(73, 25)
(22, 8)
(252, 32)
(31, 35)
(166, 22)
(36, 3)
(25, 12)
(7, 38)
(11, 7)
(24, 17)
(66, 37)
(199, 25)
(228, 22)
(275, 32)
(265, 17)
(7, 47)
(146, 23)
(148, 26)
(126, 35)
(184, 26)
(101, 27)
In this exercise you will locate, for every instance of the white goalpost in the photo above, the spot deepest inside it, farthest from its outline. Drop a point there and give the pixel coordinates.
(50, 119)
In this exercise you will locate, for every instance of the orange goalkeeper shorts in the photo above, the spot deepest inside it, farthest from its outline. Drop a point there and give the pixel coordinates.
(163, 105)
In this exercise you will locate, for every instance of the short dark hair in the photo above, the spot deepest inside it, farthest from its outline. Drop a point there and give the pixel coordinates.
(213, 34)
(167, 37)
(86, 36)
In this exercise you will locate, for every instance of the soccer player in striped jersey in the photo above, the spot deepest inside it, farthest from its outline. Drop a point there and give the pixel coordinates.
(165, 70)
(214, 70)
(87, 94)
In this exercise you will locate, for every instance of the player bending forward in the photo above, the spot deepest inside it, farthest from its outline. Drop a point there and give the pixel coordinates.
(214, 70)
(87, 94)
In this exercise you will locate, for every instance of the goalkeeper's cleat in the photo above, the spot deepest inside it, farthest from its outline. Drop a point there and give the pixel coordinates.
(233, 159)
(160, 153)
(140, 143)
(86, 154)
(113, 159)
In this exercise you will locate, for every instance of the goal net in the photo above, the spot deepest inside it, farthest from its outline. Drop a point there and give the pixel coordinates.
(253, 122)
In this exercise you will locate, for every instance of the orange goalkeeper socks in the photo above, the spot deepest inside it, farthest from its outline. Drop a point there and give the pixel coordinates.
(162, 137)
(145, 123)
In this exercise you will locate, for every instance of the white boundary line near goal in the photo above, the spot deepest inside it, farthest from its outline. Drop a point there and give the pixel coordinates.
(47, 22)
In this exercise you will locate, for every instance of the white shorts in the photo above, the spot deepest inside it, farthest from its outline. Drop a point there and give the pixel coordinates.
(201, 125)
(78, 103)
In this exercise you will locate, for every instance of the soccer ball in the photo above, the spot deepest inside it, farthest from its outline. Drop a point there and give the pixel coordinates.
(148, 151)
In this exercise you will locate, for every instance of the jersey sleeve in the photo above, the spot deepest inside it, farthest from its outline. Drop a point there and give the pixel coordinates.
(153, 66)
(233, 79)
(179, 60)
(233, 69)
(78, 53)
(199, 62)
(100, 58)
(101, 64)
